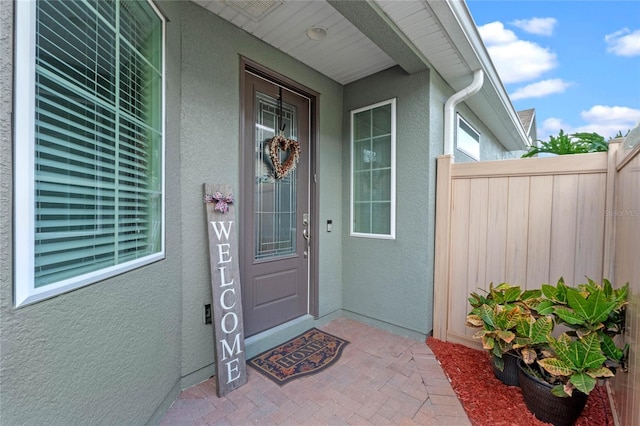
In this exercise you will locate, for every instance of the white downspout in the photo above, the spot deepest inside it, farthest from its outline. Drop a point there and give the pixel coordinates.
(450, 109)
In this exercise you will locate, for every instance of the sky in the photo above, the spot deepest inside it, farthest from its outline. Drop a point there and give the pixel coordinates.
(576, 62)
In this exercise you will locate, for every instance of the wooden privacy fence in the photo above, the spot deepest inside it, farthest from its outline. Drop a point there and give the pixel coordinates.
(532, 221)
(625, 164)
(525, 222)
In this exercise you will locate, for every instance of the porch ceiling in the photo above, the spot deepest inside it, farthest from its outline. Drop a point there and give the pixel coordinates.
(364, 37)
(344, 55)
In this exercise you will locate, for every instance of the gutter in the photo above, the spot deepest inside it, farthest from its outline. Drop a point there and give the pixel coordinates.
(450, 109)
(516, 137)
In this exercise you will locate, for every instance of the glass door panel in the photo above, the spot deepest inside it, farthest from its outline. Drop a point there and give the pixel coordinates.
(275, 199)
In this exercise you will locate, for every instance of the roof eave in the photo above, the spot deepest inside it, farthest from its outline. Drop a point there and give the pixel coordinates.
(512, 134)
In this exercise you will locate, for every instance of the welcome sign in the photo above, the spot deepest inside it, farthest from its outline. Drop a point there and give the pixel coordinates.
(228, 334)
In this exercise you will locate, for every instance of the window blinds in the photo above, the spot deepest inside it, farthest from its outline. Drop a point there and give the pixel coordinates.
(98, 129)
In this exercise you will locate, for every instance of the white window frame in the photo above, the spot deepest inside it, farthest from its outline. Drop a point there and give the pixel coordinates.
(25, 291)
(460, 143)
(392, 218)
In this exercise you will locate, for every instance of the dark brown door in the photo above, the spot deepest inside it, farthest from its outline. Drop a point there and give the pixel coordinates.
(274, 251)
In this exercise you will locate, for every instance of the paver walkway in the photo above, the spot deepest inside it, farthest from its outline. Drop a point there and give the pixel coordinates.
(380, 379)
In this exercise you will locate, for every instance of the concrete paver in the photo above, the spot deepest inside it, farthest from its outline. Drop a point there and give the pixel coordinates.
(381, 379)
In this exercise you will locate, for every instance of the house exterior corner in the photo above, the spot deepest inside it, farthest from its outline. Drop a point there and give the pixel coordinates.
(119, 349)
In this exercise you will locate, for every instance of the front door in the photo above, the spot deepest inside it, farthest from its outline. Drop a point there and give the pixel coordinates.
(274, 250)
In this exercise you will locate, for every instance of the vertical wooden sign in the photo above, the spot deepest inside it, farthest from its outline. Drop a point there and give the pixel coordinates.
(228, 329)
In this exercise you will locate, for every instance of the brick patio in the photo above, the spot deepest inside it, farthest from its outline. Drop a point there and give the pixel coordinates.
(380, 379)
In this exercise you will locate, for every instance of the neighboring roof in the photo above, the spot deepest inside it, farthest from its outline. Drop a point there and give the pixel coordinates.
(526, 118)
(365, 37)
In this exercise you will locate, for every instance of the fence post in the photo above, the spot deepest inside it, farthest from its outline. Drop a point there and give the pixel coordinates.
(442, 247)
(608, 253)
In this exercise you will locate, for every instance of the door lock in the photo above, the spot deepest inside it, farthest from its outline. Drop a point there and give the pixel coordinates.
(306, 236)
(305, 232)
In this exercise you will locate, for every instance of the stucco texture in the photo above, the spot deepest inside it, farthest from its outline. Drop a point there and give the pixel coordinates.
(389, 280)
(490, 148)
(210, 152)
(108, 353)
(117, 351)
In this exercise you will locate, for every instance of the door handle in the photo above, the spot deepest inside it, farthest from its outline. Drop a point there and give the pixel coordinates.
(306, 236)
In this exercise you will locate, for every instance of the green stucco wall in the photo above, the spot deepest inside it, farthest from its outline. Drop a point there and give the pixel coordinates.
(108, 353)
(118, 351)
(490, 147)
(210, 152)
(392, 280)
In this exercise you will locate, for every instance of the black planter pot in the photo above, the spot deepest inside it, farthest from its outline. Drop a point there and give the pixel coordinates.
(508, 376)
(545, 405)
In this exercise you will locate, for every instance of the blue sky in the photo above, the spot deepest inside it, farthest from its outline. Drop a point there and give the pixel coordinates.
(576, 62)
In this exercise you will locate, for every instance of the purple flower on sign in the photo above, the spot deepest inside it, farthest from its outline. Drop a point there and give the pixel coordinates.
(221, 202)
(222, 206)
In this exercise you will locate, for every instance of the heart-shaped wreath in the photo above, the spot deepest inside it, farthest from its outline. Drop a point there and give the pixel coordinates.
(280, 143)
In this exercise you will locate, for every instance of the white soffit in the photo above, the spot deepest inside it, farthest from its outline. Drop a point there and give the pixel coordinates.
(440, 31)
(420, 25)
(254, 9)
(344, 55)
(445, 34)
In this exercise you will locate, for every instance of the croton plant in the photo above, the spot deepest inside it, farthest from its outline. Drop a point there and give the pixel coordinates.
(509, 319)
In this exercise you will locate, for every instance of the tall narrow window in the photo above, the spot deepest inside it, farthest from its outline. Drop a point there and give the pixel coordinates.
(373, 170)
(467, 139)
(89, 142)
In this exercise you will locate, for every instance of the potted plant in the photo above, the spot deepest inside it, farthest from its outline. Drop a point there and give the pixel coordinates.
(556, 381)
(591, 308)
(504, 321)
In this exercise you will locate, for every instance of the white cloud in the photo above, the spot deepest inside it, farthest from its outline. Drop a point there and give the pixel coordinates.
(551, 127)
(521, 61)
(609, 120)
(603, 120)
(495, 33)
(611, 114)
(540, 89)
(538, 26)
(516, 60)
(623, 42)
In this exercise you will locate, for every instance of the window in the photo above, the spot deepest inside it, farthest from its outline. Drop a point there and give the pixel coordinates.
(89, 162)
(467, 139)
(373, 170)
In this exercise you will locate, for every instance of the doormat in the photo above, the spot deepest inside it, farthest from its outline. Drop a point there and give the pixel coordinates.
(308, 353)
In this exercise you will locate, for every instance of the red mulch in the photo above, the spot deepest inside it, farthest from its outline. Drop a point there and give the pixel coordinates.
(489, 402)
